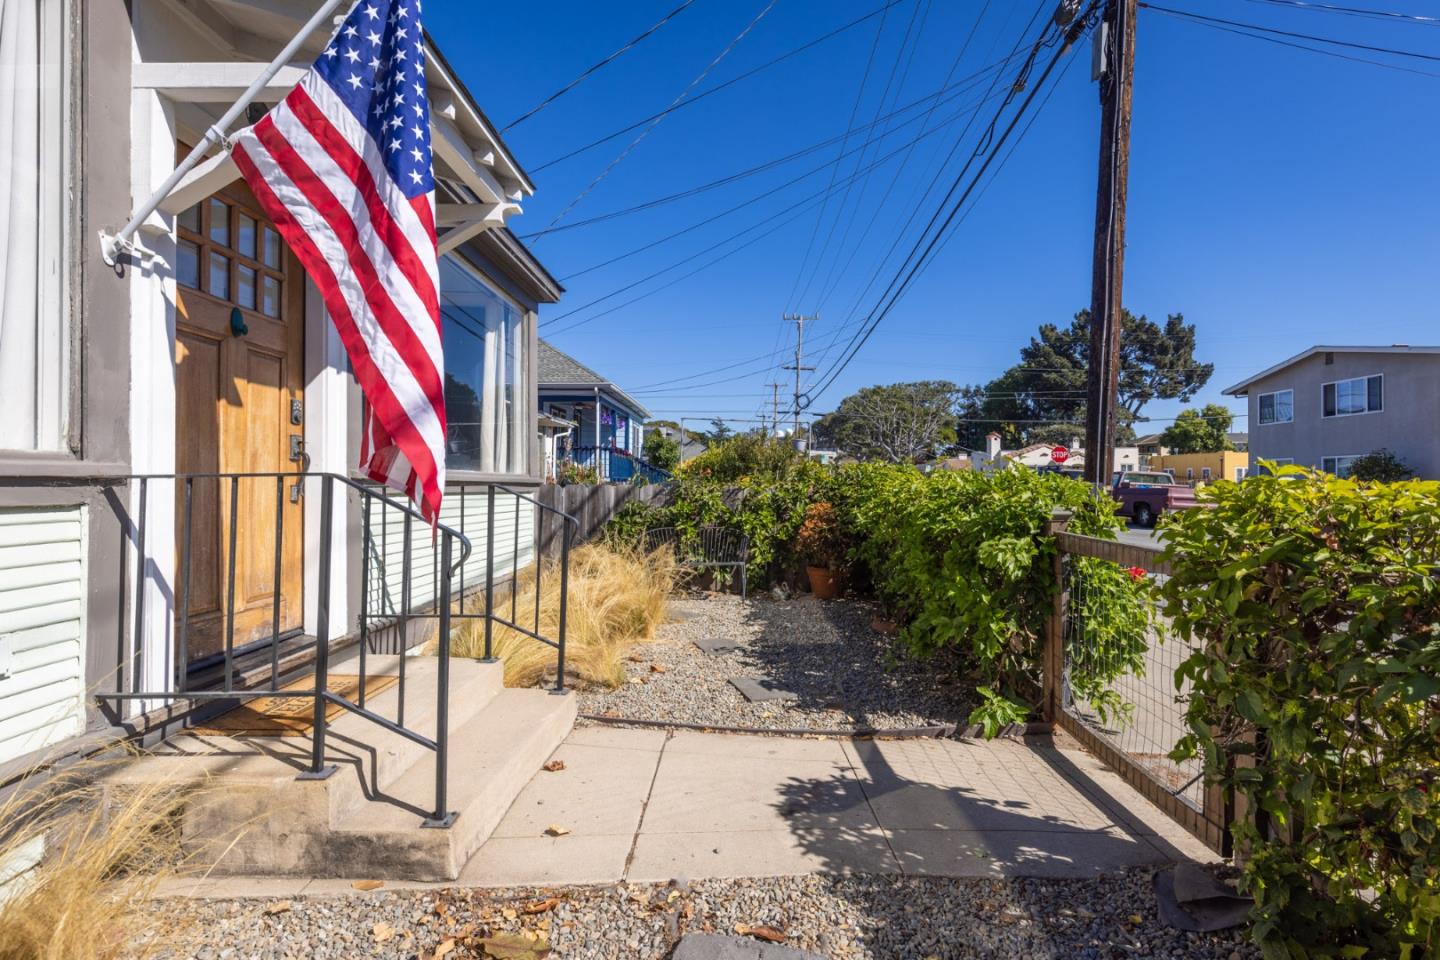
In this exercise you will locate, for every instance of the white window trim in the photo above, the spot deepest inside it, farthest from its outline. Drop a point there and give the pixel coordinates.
(55, 380)
(1344, 456)
(1276, 393)
(1336, 384)
(519, 442)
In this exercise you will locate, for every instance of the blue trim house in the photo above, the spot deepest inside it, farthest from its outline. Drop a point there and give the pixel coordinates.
(610, 424)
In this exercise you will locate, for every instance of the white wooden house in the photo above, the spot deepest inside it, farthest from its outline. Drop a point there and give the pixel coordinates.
(210, 352)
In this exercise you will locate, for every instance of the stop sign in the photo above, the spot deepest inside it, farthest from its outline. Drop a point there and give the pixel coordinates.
(1060, 454)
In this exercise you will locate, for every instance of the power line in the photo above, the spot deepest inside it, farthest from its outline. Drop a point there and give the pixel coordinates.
(620, 157)
(988, 141)
(801, 204)
(938, 97)
(1354, 11)
(719, 86)
(1298, 46)
(587, 73)
(825, 193)
(1371, 48)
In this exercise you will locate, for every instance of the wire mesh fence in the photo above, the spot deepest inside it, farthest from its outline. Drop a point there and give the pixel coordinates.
(1144, 714)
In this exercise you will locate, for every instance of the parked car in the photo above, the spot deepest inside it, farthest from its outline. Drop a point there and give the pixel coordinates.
(1143, 497)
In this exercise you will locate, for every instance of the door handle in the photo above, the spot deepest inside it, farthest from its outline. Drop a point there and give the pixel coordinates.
(298, 454)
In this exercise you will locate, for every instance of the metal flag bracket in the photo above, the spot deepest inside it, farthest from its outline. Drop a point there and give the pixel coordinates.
(123, 241)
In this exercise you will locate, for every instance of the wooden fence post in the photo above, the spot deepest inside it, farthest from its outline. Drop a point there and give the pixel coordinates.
(1052, 663)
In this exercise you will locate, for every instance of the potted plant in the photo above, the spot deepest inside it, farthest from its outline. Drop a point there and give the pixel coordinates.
(821, 546)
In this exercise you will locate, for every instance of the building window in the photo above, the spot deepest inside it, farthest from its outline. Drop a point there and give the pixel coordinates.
(1340, 466)
(1277, 407)
(34, 168)
(1346, 398)
(1205, 474)
(1189, 473)
(489, 424)
(1239, 474)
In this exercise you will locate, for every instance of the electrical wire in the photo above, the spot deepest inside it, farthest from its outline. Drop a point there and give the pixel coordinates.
(898, 286)
(719, 86)
(1370, 48)
(1354, 11)
(1297, 46)
(588, 72)
(620, 157)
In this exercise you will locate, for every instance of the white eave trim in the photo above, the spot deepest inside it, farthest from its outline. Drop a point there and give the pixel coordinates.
(1241, 389)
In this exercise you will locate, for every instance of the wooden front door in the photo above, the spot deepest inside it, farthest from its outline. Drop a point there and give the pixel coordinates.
(239, 356)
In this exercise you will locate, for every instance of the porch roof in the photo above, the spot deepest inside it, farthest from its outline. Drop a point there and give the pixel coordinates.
(561, 372)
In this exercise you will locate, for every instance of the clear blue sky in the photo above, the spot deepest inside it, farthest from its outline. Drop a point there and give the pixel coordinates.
(1278, 198)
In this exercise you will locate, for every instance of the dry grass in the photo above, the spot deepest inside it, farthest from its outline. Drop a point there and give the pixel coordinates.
(617, 599)
(105, 851)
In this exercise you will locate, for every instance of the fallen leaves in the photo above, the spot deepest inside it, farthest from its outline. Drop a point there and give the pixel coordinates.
(554, 766)
(442, 948)
(541, 906)
(514, 946)
(368, 884)
(556, 830)
(760, 932)
(382, 932)
(279, 907)
(658, 668)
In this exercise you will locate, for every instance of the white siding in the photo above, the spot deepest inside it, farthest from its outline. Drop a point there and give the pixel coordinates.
(42, 609)
(514, 549)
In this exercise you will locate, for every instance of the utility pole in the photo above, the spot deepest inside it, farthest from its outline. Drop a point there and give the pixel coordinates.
(774, 408)
(1114, 67)
(799, 365)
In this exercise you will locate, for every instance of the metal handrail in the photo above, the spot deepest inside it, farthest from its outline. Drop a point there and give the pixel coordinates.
(320, 692)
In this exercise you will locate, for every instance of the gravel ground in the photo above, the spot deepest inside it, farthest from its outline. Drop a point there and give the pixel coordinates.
(892, 918)
(846, 674)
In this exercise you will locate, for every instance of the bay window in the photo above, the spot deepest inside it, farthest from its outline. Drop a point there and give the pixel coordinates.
(34, 341)
(489, 421)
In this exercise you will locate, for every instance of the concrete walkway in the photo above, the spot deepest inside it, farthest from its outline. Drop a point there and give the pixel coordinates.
(649, 805)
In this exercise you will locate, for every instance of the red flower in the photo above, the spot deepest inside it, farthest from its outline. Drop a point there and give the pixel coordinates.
(1136, 573)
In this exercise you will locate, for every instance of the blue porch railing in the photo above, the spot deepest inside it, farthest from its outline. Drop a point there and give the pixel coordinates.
(612, 465)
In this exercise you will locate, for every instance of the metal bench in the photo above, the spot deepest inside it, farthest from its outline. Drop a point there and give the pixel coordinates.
(712, 548)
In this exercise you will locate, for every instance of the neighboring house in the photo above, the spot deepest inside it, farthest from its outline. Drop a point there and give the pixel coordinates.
(693, 445)
(1149, 446)
(210, 352)
(1040, 456)
(1204, 467)
(1239, 441)
(1330, 404)
(610, 424)
(555, 434)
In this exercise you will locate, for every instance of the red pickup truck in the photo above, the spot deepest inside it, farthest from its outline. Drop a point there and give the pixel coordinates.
(1143, 497)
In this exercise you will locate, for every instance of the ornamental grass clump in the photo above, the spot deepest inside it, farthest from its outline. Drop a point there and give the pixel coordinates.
(1313, 606)
(78, 861)
(617, 598)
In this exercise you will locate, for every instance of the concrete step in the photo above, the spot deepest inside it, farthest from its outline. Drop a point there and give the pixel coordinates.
(493, 757)
(251, 815)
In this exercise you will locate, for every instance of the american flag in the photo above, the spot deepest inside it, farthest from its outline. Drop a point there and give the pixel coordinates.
(343, 167)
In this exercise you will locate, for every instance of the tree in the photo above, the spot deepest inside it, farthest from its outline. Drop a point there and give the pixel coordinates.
(1199, 431)
(661, 451)
(1381, 465)
(719, 432)
(900, 422)
(1042, 398)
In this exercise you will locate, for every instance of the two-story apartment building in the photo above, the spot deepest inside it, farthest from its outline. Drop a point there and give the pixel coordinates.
(1330, 404)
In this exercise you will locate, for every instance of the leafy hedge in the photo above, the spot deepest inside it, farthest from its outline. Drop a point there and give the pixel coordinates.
(1313, 606)
(963, 560)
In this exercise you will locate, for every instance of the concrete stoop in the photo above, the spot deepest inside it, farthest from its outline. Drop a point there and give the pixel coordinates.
(250, 815)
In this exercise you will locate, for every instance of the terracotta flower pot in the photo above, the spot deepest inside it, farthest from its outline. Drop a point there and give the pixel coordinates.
(823, 583)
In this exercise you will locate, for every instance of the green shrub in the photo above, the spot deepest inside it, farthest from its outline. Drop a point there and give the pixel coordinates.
(753, 485)
(1313, 606)
(963, 561)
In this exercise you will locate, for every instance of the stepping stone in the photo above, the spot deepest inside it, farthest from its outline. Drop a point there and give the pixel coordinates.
(762, 689)
(715, 946)
(717, 645)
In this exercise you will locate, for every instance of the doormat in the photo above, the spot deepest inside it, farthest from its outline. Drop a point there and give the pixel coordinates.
(289, 716)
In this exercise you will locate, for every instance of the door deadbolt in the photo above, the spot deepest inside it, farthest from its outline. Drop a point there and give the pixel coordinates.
(297, 413)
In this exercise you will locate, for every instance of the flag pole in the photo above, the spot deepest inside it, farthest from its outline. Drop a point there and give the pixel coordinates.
(111, 246)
